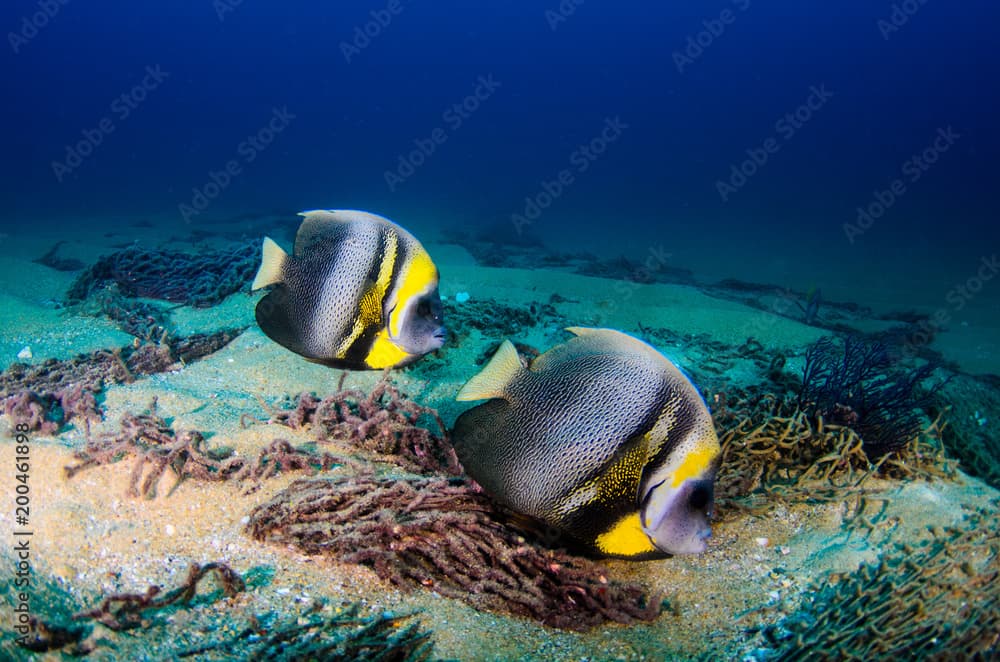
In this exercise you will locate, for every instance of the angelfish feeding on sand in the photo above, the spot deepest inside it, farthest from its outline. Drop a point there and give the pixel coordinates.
(358, 292)
(601, 437)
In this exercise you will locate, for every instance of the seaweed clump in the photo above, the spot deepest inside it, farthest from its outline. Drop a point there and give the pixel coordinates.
(384, 421)
(972, 436)
(157, 448)
(52, 394)
(772, 448)
(344, 635)
(439, 533)
(200, 280)
(653, 270)
(858, 385)
(51, 260)
(497, 318)
(142, 319)
(126, 611)
(939, 599)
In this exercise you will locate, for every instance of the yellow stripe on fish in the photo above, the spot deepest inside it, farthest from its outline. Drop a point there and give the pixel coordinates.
(385, 353)
(418, 277)
(372, 301)
(625, 538)
(695, 463)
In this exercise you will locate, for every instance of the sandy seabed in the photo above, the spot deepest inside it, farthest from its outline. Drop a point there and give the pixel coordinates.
(91, 539)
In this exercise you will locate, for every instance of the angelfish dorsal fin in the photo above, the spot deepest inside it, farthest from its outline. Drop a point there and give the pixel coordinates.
(319, 225)
(492, 381)
(272, 265)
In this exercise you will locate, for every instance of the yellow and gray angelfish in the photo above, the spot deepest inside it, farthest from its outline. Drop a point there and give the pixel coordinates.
(358, 292)
(601, 438)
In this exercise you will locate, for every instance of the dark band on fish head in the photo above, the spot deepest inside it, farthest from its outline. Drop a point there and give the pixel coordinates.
(613, 490)
(389, 248)
(414, 322)
(677, 492)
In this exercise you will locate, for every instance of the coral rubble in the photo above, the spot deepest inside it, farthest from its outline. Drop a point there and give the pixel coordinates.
(157, 448)
(56, 392)
(440, 533)
(201, 279)
(384, 422)
(938, 599)
(344, 635)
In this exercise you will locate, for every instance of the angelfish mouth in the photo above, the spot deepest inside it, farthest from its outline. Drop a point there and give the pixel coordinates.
(697, 543)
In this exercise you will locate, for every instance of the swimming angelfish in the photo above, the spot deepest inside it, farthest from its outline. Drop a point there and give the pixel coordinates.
(601, 438)
(358, 292)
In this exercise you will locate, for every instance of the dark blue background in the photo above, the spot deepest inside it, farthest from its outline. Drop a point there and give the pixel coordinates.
(557, 87)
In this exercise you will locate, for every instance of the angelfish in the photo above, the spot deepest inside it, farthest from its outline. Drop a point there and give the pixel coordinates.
(358, 292)
(601, 438)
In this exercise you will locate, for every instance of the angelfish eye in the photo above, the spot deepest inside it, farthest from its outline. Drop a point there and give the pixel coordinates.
(701, 496)
(424, 308)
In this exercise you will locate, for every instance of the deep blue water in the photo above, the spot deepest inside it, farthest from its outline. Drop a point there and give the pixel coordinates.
(839, 97)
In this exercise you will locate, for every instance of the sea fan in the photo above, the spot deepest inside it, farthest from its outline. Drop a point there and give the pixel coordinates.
(858, 385)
